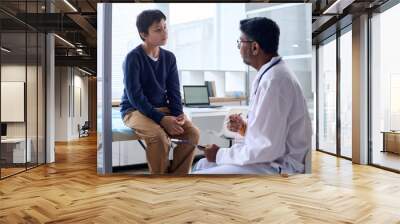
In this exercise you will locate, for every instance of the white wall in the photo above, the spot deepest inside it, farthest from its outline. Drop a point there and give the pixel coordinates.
(33, 126)
(203, 40)
(219, 78)
(79, 117)
(70, 83)
(61, 111)
(16, 73)
(228, 33)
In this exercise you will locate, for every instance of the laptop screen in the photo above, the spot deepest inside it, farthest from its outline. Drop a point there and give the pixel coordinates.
(196, 95)
(3, 129)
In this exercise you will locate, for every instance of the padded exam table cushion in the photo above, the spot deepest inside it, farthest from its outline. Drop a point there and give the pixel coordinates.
(120, 132)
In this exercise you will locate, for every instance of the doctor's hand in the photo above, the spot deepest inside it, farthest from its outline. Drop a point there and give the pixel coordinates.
(237, 124)
(171, 125)
(210, 152)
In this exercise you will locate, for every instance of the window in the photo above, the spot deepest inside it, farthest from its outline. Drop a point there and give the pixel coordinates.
(125, 37)
(327, 96)
(385, 87)
(190, 12)
(346, 94)
(22, 76)
(295, 49)
(202, 37)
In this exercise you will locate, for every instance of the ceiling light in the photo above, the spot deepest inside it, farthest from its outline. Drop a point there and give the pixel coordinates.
(70, 5)
(5, 50)
(295, 45)
(84, 71)
(338, 6)
(65, 41)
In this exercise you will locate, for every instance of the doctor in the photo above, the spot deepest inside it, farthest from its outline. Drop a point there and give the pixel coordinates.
(277, 134)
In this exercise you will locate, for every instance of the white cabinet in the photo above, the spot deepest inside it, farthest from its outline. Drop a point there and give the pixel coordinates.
(115, 153)
(127, 153)
(131, 152)
(16, 147)
(20, 155)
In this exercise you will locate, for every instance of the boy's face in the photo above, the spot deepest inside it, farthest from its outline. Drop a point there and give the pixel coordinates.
(157, 34)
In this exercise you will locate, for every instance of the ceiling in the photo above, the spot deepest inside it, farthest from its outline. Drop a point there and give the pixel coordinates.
(76, 22)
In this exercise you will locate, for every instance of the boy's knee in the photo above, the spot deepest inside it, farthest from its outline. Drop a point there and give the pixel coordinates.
(158, 135)
(194, 134)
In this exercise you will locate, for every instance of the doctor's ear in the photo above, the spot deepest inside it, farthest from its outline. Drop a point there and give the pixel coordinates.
(255, 48)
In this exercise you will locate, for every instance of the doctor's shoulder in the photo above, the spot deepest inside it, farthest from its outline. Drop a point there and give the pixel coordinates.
(283, 85)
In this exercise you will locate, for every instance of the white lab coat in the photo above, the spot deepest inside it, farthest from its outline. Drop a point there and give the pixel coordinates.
(278, 127)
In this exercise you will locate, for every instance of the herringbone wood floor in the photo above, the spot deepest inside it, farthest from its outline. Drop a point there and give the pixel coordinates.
(70, 191)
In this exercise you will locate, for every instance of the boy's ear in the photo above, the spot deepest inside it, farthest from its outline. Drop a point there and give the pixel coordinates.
(143, 35)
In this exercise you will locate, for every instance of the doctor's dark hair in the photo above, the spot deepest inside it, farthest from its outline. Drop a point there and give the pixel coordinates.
(262, 30)
(146, 18)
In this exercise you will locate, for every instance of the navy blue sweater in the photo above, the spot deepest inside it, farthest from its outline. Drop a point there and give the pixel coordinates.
(150, 84)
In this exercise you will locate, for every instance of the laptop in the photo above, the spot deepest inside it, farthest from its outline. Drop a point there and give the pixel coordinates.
(197, 97)
(3, 131)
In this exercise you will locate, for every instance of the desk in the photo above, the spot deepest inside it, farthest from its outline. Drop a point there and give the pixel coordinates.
(229, 100)
(213, 100)
(13, 150)
(391, 141)
(209, 112)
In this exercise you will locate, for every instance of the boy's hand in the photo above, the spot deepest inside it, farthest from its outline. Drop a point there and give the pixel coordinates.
(171, 125)
(181, 119)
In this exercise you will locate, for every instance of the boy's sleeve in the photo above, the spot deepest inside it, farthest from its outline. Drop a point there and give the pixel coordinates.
(134, 90)
(173, 89)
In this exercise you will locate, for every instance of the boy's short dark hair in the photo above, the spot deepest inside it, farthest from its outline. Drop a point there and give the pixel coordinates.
(262, 30)
(146, 18)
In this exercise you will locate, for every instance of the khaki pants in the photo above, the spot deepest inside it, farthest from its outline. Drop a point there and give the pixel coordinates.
(157, 141)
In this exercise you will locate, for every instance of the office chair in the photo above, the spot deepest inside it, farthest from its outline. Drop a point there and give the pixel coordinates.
(84, 130)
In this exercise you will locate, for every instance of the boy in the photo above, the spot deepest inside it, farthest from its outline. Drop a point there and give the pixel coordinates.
(151, 102)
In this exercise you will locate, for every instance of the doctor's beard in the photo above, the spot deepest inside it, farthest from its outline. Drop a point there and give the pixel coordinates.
(246, 57)
(246, 62)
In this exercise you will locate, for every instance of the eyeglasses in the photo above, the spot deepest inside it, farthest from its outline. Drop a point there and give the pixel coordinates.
(239, 42)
